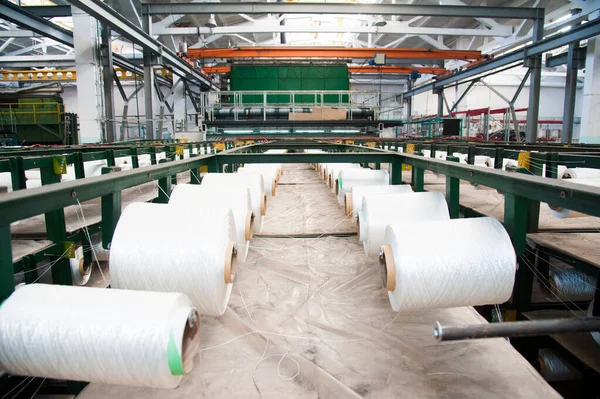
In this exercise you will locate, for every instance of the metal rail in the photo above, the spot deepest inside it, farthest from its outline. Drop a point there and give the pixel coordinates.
(516, 329)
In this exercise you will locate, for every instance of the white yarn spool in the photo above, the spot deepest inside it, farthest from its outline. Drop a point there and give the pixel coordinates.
(356, 177)
(196, 258)
(580, 173)
(562, 213)
(99, 335)
(191, 197)
(252, 181)
(80, 270)
(334, 169)
(354, 199)
(379, 211)
(427, 268)
(269, 177)
(268, 166)
(441, 155)
(509, 162)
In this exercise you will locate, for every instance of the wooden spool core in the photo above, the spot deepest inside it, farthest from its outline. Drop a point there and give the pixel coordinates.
(190, 344)
(263, 203)
(348, 204)
(358, 226)
(84, 268)
(388, 268)
(230, 262)
(249, 225)
(337, 186)
(273, 187)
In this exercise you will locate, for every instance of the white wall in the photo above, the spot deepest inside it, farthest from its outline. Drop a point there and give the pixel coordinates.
(480, 96)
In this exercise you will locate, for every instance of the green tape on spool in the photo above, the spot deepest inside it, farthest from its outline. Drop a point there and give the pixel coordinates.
(340, 180)
(173, 357)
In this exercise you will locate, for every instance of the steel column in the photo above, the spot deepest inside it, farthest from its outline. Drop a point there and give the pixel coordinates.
(148, 81)
(440, 103)
(570, 92)
(535, 85)
(107, 84)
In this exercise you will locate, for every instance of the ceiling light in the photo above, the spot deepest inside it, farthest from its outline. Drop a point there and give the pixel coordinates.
(212, 22)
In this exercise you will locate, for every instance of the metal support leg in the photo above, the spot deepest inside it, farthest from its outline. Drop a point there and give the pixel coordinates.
(453, 192)
(7, 285)
(57, 233)
(111, 212)
(164, 188)
(396, 171)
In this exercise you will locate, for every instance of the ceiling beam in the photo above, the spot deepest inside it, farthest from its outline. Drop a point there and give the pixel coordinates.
(129, 30)
(583, 32)
(342, 8)
(393, 27)
(49, 11)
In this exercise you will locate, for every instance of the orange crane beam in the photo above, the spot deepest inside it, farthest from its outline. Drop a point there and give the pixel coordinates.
(395, 70)
(357, 70)
(331, 52)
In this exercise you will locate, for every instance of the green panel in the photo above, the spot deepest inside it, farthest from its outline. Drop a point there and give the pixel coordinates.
(289, 77)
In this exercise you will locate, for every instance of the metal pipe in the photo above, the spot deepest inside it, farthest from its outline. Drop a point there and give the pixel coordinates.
(528, 328)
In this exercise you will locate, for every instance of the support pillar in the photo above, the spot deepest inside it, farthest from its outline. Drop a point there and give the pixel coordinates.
(440, 104)
(590, 104)
(179, 104)
(148, 83)
(107, 83)
(535, 84)
(570, 92)
(89, 85)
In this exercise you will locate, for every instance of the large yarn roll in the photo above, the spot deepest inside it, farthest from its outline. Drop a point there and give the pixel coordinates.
(159, 247)
(252, 181)
(147, 339)
(354, 198)
(266, 166)
(379, 211)
(269, 176)
(428, 268)
(561, 213)
(192, 197)
(580, 173)
(349, 178)
(334, 169)
(573, 284)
